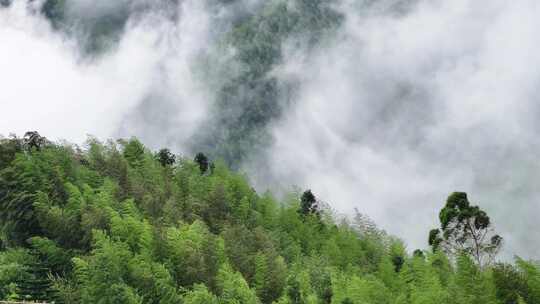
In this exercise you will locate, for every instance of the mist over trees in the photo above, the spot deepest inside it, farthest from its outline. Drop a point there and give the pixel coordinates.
(254, 82)
(119, 222)
(115, 222)
(249, 98)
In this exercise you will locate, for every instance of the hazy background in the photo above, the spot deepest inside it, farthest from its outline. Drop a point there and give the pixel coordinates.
(400, 104)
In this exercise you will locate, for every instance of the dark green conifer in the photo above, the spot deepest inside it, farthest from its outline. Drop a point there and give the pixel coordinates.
(36, 285)
(202, 160)
(165, 157)
(308, 204)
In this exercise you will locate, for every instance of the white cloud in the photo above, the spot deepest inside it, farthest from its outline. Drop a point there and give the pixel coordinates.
(48, 87)
(397, 112)
(400, 110)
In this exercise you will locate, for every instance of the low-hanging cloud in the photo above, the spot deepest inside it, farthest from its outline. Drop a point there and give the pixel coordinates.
(50, 86)
(407, 102)
(401, 109)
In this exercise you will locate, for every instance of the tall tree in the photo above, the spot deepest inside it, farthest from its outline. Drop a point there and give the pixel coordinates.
(36, 285)
(133, 152)
(18, 219)
(202, 161)
(465, 229)
(33, 140)
(308, 204)
(233, 288)
(9, 147)
(165, 157)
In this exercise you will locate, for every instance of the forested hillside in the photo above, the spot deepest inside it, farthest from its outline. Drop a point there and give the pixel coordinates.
(385, 104)
(117, 223)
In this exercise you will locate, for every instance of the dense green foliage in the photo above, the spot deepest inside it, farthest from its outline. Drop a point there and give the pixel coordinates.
(36, 284)
(117, 223)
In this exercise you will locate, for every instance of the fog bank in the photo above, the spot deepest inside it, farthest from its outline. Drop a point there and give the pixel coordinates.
(405, 102)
